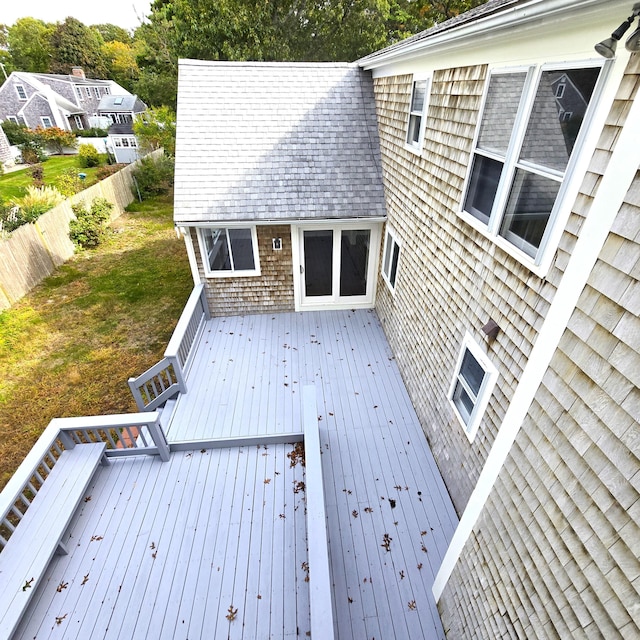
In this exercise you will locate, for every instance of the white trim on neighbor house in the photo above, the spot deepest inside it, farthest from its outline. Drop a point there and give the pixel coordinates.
(417, 118)
(614, 185)
(461, 387)
(232, 272)
(191, 254)
(334, 300)
(391, 259)
(569, 180)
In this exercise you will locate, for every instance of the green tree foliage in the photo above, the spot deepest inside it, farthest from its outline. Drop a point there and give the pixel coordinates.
(29, 44)
(120, 60)
(153, 176)
(75, 45)
(56, 139)
(89, 228)
(113, 33)
(155, 129)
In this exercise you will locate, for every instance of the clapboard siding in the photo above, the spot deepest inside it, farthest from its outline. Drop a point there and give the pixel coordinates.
(556, 548)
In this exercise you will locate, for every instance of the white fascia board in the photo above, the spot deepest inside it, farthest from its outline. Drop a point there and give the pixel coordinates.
(618, 178)
(230, 224)
(487, 28)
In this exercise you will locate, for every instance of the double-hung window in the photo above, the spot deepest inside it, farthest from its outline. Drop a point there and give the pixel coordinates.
(229, 252)
(417, 114)
(523, 151)
(22, 94)
(473, 382)
(46, 122)
(391, 256)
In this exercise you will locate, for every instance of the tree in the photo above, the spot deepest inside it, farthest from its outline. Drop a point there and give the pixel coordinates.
(112, 32)
(120, 60)
(156, 128)
(75, 45)
(29, 42)
(56, 138)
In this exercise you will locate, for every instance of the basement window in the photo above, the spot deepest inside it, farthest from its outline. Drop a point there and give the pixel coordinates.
(229, 252)
(472, 386)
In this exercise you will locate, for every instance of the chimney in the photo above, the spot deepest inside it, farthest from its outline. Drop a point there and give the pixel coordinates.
(78, 72)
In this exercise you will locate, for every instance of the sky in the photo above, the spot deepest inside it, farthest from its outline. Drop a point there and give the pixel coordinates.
(124, 13)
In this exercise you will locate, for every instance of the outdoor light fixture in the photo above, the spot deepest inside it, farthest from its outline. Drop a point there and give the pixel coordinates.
(491, 329)
(607, 48)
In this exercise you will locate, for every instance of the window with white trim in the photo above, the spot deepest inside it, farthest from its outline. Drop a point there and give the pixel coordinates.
(472, 386)
(88, 91)
(390, 259)
(13, 119)
(79, 93)
(47, 123)
(229, 251)
(78, 120)
(22, 94)
(417, 113)
(523, 151)
(96, 92)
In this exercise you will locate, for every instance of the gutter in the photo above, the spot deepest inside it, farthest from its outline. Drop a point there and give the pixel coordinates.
(485, 26)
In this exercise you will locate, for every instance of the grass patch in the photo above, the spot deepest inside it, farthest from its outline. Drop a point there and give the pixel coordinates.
(15, 183)
(69, 347)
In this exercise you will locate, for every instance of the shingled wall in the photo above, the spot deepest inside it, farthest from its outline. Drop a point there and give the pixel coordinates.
(555, 553)
(270, 292)
(451, 278)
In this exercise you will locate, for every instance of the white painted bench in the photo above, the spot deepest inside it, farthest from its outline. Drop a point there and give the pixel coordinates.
(39, 534)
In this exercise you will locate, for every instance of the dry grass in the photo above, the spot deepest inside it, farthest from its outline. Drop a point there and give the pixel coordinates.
(69, 347)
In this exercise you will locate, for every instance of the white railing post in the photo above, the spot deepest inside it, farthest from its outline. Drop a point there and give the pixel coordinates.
(182, 385)
(67, 440)
(137, 396)
(159, 439)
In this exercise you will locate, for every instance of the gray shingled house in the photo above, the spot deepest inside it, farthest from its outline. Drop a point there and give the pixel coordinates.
(121, 111)
(54, 100)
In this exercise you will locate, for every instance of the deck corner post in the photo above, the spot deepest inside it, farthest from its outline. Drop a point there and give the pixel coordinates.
(159, 439)
(135, 392)
(67, 439)
(204, 302)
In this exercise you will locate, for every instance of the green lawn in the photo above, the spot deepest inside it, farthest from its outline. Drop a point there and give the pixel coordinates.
(69, 347)
(14, 184)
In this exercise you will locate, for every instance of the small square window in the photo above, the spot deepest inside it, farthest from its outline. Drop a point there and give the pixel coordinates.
(472, 386)
(417, 111)
(229, 252)
(22, 94)
(47, 123)
(391, 256)
(125, 142)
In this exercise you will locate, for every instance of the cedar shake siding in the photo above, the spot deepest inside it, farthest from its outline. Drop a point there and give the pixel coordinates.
(270, 292)
(451, 278)
(555, 552)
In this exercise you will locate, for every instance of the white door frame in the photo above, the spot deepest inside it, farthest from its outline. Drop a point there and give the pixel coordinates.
(335, 301)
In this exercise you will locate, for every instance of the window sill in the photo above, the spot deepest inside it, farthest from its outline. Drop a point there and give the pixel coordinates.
(416, 150)
(540, 270)
(232, 274)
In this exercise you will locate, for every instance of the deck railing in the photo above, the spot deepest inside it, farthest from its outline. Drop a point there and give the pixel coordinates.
(167, 378)
(124, 435)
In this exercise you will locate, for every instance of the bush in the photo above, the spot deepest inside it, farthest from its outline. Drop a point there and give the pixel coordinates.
(90, 226)
(94, 132)
(31, 206)
(88, 156)
(108, 170)
(69, 183)
(17, 134)
(32, 151)
(154, 176)
(37, 175)
(55, 138)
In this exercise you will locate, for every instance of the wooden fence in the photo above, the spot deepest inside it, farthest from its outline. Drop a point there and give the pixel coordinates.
(33, 252)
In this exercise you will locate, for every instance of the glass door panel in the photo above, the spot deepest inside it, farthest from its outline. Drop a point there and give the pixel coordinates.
(354, 261)
(318, 262)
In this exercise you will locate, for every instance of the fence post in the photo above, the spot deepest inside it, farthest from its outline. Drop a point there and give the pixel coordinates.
(159, 439)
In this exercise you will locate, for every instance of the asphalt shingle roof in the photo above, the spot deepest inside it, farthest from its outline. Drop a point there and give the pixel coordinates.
(276, 141)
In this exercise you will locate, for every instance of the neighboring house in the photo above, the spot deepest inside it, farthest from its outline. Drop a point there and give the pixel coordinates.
(121, 112)
(51, 100)
(505, 275)
(6, 157)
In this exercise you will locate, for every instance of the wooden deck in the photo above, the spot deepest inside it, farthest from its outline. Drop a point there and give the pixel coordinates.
(214, 520)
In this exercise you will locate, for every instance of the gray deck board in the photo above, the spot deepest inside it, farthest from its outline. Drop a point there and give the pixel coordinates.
(224, 537)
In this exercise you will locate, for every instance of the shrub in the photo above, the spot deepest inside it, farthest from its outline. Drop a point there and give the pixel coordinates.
(153, 176)
(69, 182)
(17, 134)
(33, 204)
(56, 138)
(93, 132)
(37, 175)
(90, 226)
(32, 151)
(108, 170)
(8, 218)
(88, 156)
